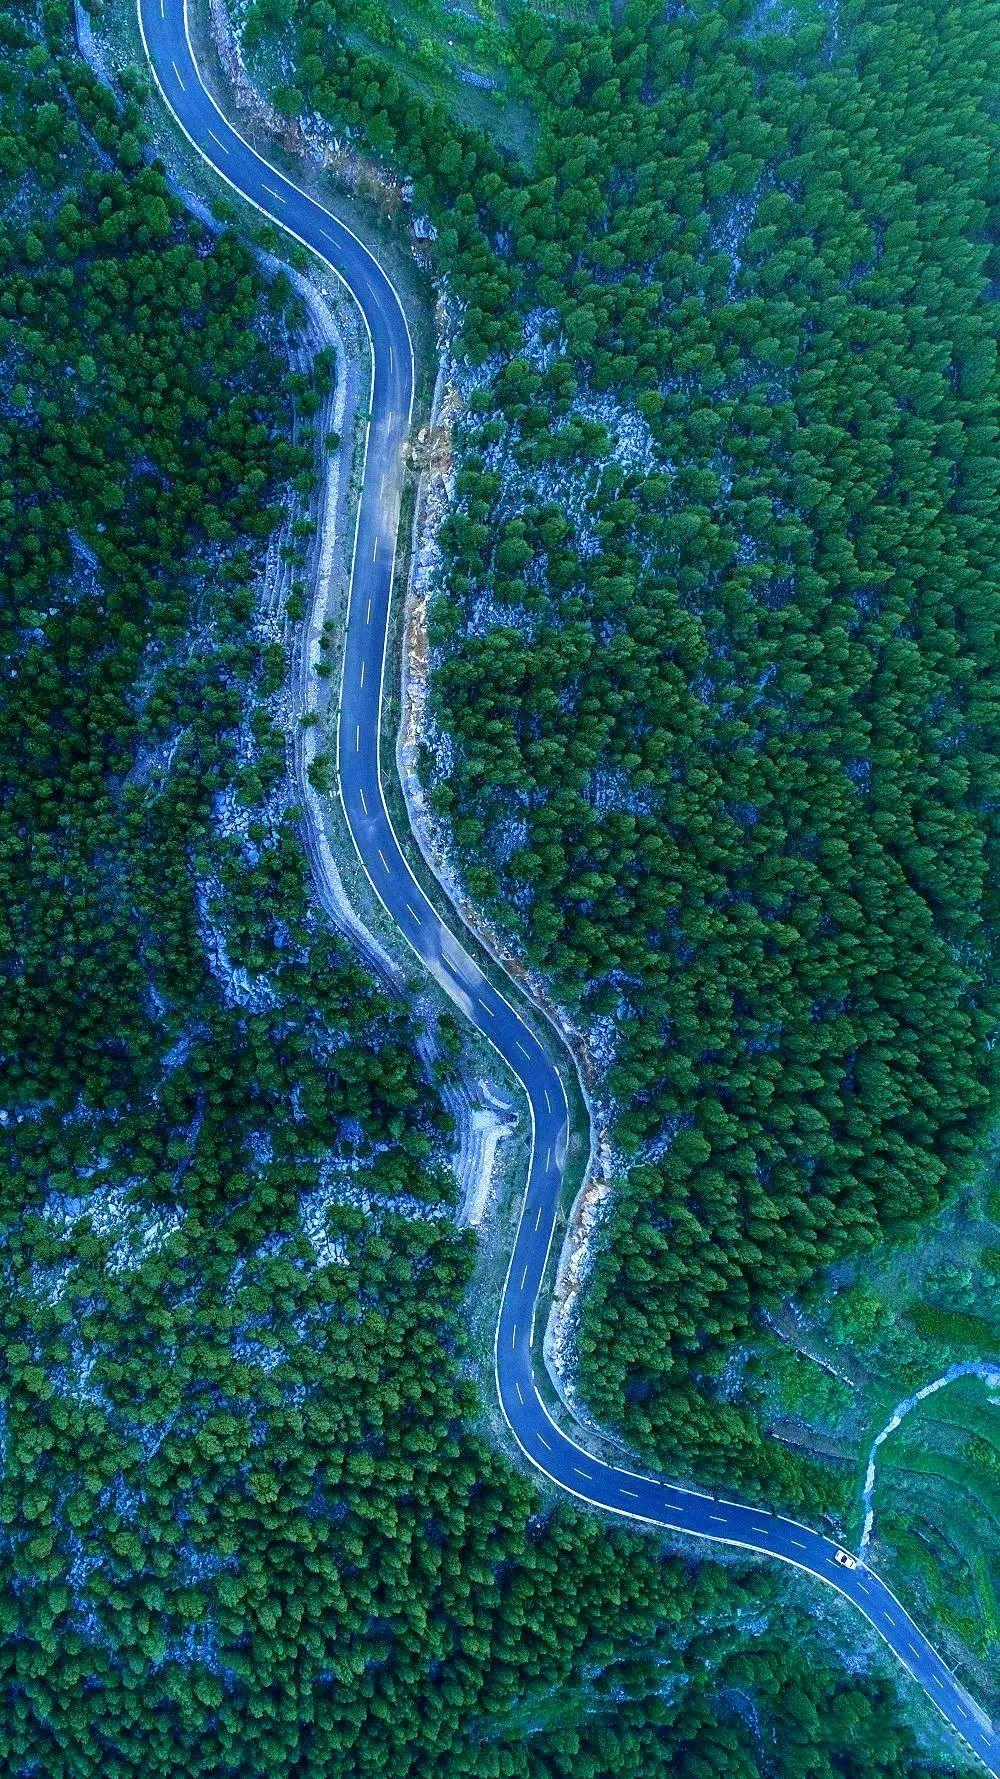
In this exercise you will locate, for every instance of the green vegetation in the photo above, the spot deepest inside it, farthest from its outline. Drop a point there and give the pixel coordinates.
(961, 1328)
(246, 1525)
(827, 1380)
(461, 57)
(713, 638)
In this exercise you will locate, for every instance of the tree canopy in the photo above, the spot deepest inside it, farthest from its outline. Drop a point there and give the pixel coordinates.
(715, 627)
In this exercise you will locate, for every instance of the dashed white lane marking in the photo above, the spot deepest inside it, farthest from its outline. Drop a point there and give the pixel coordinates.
(364, 805)
(218, 142)
(411, 911)
(523, 1048)
(390, 355)
(486, 1006)
(374, 548)
(513, 1336)
(719, 1518)
(520, 1392)
(543, 1441)
(913, 1649)
(798, 1545)
(630, 1493)
(761, 1531)
(538, 1219)
(548, 1102)
(938, 1681)
(587, 1477)
(273, 194)
(357, 738)
(177, 72)
(889, 1621)
(548, 1155)
(368, 613)
(382, 856)
(362, 673)
(524, 1275)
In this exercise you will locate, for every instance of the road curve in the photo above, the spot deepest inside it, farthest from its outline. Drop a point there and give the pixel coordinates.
(633, 1495)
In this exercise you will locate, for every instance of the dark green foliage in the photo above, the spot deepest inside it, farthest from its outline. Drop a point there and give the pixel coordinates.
(971, 1335)
(245, 1527)
(716, 629)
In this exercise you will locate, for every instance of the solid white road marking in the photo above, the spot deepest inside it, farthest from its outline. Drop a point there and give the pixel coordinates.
(177, 72)
(364, 805)
(218, 142)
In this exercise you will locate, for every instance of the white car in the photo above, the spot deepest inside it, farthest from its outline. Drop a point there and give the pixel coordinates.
(845, 1559)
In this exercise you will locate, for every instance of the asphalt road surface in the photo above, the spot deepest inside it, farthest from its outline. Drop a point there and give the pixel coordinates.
(642, 1497)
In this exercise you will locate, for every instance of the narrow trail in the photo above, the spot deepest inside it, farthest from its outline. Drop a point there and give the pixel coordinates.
(981, 1368)
(609, 1487)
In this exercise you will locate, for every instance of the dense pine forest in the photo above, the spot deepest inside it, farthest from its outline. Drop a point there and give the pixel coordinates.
(713, 640)
(246, 1525)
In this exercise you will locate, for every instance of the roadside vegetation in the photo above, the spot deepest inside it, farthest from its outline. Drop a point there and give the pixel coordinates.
(713, 637)
(244, 1525)
(713, 646)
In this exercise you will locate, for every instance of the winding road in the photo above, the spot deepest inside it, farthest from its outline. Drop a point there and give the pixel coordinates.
(164, 28)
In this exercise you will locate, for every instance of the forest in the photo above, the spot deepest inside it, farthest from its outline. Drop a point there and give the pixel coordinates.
(713, 636)
(247, 1524)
